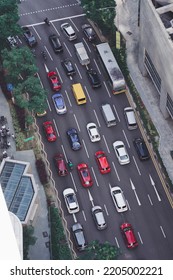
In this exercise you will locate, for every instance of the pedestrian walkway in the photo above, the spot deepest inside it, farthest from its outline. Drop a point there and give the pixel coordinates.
(127, 23)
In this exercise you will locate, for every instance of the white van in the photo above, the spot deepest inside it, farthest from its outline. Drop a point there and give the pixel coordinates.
(108, 115)
(130, 118)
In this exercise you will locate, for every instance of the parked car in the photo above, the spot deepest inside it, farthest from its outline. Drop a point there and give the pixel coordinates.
(49, 131)
(121, 153)
(84, 175)
(29, 37)
(79, 237)
(128, 235)
(141, 148)
(60, 165)
(102, 162)
(93, 78)
(118, 199)
(54, 80)
(68, 67)
(71, 201)
(98, 217)
(59, 103)
(93, 132)
(55, 43)
(89, 32)
(74, 139)
(68, 31)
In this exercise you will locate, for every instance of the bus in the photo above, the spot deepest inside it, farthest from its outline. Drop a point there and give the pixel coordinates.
(116, 77)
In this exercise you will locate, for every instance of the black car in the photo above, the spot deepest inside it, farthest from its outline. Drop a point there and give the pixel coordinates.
(93, 78)
(73, 139)
(89, 32)
(141, 148)
(29, 37)
(55, 43)
(68, 67)
(78, 235)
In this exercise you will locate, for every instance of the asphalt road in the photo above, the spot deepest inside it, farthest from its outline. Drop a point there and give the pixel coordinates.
(149, 212)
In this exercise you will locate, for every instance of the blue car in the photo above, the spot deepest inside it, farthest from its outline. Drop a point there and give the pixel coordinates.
(73, 139)
(59, 103)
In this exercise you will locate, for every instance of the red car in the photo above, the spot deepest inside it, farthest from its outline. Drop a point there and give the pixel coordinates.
(54, 81)
(102, 162)
(84, 175)
(60, 165)
(49, 131)
(129, 236)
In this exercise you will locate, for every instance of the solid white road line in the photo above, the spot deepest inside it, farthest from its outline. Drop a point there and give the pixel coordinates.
(97, 66)
(87, 44)
(97, 118)
(67, 49)
(150, 200)
(74, 24)
(140, 238)
(128, 205)
(78, 71)
(87, 93)
(106, 210)
(73, 181)
(106, 144)
(106, 88)
(76, 122)
(59, 75)
(68, 98)
(116, 113)
(48, 104)
(85, 148)
(95, 176)
(56, 127)
(136, 165)
(74, 218)
(48, 53)
(64, 153)
(116, 171)
(40, 80)
(55, 28)
(36, 32)
(116, 240)
(84, 215)
(163, 231)
(126, 138)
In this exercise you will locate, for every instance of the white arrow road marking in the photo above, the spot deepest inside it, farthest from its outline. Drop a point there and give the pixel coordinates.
(153, 184)
(90, 198)
(133, 188)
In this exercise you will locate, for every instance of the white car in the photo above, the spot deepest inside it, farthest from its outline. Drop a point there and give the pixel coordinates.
(71, 201)
(68, 31)
(93, 132)
(121, 153)
(118, 199)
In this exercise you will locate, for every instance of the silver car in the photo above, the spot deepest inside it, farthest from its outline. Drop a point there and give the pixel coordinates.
(98, 217)
(121, 153)
(68, 30)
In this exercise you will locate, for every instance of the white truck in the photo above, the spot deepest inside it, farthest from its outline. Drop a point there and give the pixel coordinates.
(82, 54)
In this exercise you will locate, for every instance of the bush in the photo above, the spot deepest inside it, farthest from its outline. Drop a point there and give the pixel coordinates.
(41, 169)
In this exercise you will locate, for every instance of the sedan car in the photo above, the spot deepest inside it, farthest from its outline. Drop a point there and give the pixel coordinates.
(59, 103)
(68, 67)
(121, 153)
(68, 31)
(60, 165)
(98, 217)
(102, 162)
(84, 175)
(49, 131)
(128, 235)
(141, 148)
(89, 32)
(93, 78)
(29, 37)
(79, 237)
(54, 80)
(93, 132)
(118, 199)
(55, 43)
(73, 139)
(71, 201)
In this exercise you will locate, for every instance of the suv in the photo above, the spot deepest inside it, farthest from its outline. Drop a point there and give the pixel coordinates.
(68, 31)
(78, 235)
(68, 67)
(98, 217)
(89, 32)
(29, 37)
(141, 148)
(56, 44)
(93, 78)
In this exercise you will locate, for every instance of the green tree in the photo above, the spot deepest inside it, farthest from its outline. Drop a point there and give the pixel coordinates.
(101, 251)
(28, 239)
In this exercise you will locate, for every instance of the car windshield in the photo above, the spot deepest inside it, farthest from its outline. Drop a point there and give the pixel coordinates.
(85, 173)
(70, 198)
(59, 102)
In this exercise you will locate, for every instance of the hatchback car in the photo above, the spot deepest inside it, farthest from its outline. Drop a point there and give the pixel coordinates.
(89, 32)
(29, 37)
(59, 103)
(93, 78)
(68, 67)
(102, 162)
(141, 148)
(121, 153)
(79, 237)
(74, 139)
(60, 165)
(128, 235)
(49, 131)
(68, 31)
(54, 80)
(71, 201)
(84, 175)
(55, 43)
(118, 199)
(93, 132)
(98, 217)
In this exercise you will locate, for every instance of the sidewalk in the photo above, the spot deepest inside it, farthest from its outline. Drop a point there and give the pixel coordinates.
(126, 21)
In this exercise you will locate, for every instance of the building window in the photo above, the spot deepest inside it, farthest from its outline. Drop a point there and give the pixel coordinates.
(169, 105)
(152, 72)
